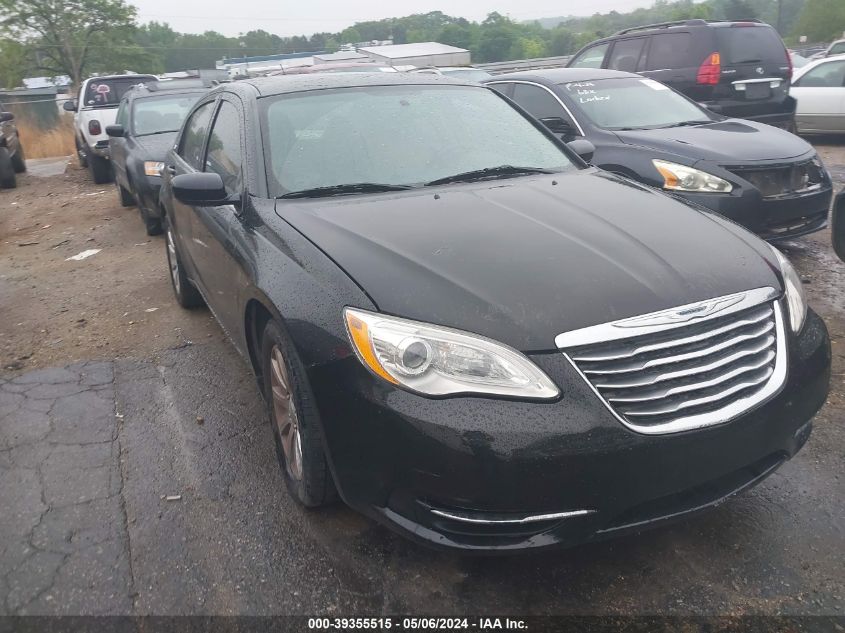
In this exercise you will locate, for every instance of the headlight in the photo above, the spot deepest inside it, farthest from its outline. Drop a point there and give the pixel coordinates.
(795, 299)
(152, 168)
(438, 361)
(682, 178)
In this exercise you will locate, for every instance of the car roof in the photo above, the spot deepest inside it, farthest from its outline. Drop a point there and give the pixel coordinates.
(800, 72)
(266, 86)
(563, 75)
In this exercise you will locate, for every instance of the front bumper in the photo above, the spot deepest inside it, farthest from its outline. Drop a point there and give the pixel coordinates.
(772, 218)
(412, 462)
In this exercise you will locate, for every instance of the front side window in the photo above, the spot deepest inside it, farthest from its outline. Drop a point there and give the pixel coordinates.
(224, 147)
(193, 137)
(827, 75)
(155, 115)
(590, 58)
(402, 135)
(837, 49)
(540, 103)
(633, 103)
(626, 55)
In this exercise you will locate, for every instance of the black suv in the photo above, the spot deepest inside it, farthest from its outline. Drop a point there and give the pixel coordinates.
(11, 151)
(739, 69)
(148, 120)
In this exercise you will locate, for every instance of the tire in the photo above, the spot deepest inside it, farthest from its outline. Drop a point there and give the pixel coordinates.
(153, 225)
(126, 198)
(19, 160)
(100, 169)
(307, 475)
(81, 155)
(187, 295)
(7, 170)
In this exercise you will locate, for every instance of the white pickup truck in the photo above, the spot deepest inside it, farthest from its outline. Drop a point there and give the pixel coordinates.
(95, 108)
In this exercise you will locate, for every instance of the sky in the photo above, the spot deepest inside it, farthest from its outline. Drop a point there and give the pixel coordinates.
(231, 17)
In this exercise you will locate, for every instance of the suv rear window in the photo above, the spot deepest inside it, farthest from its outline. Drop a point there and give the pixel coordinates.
(750, 44)
(109, 92)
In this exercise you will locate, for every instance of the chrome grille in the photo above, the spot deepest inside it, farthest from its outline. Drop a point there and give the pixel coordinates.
(673, 370)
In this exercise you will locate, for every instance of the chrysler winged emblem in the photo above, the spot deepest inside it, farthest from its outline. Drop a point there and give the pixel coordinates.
(684, 313)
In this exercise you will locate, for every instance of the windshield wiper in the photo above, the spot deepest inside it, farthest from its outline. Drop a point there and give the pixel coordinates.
(687, 123)
(339, 190)
(502, 171)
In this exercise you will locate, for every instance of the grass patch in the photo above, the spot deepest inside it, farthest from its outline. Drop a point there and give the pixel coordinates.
(39, 142)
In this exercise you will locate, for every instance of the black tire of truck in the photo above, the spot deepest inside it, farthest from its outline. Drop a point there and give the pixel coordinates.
(19, 160)
(100, 169)
(7, 171)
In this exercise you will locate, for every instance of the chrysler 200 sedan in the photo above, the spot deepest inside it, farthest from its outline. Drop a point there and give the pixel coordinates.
(468, 333)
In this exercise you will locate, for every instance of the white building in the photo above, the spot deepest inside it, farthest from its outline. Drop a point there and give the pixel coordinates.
(420, 54)
(340, 56)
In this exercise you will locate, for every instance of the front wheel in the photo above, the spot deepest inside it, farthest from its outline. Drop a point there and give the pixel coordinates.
(100, 169)
(126, 199)
(187, 295)
(295, 422)
(19, 160)
(7, 170)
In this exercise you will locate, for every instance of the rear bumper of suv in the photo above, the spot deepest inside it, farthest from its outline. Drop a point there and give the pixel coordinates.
(777, 113)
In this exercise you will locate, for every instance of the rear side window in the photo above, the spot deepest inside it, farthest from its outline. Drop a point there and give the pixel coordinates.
(108, 92)
(193, 138)
(590, 58)
(750, 45)
(827, 75)
(669, 50)
(626, 55)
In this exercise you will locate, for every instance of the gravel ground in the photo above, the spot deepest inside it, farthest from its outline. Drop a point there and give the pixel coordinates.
(137, 473)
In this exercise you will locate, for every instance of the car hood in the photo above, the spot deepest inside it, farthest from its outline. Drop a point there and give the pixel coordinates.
(156, 146)
(526, 259)
(732, 140)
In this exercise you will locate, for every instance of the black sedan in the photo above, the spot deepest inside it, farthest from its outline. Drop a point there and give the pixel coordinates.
(468, 333)
(148, 120)
(767, 179)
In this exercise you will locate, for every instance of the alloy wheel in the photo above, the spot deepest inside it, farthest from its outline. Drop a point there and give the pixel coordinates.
(284, 413)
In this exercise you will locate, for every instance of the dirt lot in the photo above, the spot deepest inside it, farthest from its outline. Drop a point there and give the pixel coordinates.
(116, 303)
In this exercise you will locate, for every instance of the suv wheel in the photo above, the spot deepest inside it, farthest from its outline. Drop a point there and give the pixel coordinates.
(153, 225)
(81, 154)
(19, 160)
(187, 295)
(7, 170)
(295, 422)
(126, 198)
(100, 169)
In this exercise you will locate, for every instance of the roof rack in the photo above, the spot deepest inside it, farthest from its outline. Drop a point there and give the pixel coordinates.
(663, 25)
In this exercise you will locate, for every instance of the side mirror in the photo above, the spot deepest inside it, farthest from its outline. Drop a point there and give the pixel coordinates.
(204, 189)
(558, 125)
(69, 105)
(6, 116)
(115, 130)
(837, 225)
(584, 148)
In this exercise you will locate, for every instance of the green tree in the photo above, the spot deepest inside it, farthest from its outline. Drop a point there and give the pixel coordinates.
(821, 20)
(456, 35)
(65, 34)
(14, 63)
(562, 42)
(739, 10)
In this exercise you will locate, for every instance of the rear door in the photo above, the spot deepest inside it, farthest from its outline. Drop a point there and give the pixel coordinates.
(754, 62)
(821, 98)
(626, 53)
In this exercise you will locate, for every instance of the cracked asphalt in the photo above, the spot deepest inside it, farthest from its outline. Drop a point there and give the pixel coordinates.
(138, 474)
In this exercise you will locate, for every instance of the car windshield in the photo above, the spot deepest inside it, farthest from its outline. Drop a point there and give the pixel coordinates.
(467, 74)
(632, 103)
(155, 115)
(405, 135)
(103, 93)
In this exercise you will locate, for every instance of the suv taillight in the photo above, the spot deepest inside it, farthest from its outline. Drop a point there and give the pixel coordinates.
(94, 127)
(710, 70)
